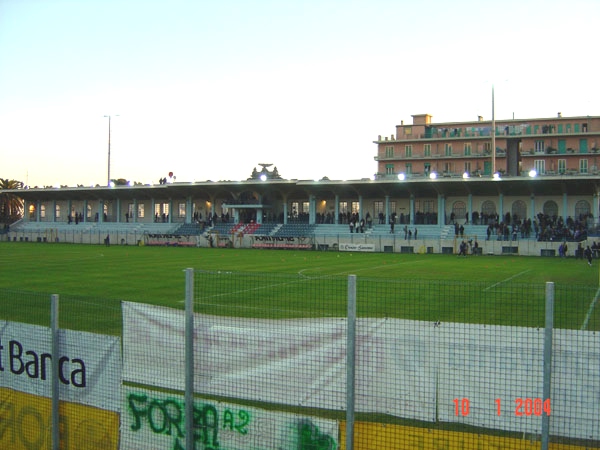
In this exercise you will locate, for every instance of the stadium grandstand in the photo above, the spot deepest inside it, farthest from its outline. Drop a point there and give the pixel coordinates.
(436, 185)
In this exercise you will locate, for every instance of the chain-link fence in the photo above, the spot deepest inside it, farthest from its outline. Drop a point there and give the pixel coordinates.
(303, 362)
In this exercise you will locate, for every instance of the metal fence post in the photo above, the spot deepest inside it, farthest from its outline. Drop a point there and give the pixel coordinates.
(547, 362)
(55, 415)
(189, 359)
(350, 362)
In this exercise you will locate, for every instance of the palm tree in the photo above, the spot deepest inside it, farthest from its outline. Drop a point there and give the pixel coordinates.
(11, 205)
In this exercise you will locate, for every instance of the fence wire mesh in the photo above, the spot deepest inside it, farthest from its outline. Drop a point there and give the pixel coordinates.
(437, 365)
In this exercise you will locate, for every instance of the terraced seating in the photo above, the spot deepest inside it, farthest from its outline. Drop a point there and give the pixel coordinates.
(294, 230)
(190, 229)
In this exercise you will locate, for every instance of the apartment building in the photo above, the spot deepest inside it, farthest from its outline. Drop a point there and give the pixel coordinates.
(551, 146)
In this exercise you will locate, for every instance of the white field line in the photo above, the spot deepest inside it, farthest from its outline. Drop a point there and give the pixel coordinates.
(304, 278)
(590, 310)
(386, 266)
(352, 272)
(507, 279)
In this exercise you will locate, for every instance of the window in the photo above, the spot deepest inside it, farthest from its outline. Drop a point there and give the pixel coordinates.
(181, 209)
(425, 206)
(89, 211)
(378, 208)
(539, 146)
(355, 207)
(408, 151)
(582, 209)
(562, 166)
(141, 213)
(427, 150)
(294, 214)
(57, 210)
(550, 208)
(468, 166)
(583, 166)
(407, 131)
(161, 211)
(408, 168)
(427, 168)
(540, 166)
(389, 169)
(459, 209)
(42, 211)
(487, 147)
(305, 207)
(130, 210)
(389, 152)
(519, 210)
(343, 208)
(448, 149)
(467, 149)
(488, 208)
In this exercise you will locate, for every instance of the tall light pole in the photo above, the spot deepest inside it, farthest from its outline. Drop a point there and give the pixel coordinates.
(493, 134)
(109, 117)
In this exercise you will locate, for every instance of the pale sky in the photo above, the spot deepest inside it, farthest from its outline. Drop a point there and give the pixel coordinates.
(209, 89)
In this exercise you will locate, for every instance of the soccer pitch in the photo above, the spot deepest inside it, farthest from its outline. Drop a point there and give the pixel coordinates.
(91, 281)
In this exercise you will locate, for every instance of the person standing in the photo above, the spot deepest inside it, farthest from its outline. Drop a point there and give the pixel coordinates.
(588, 255)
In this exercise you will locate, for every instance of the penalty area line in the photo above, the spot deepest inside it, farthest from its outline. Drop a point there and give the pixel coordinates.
(507, 279)
(590, 310)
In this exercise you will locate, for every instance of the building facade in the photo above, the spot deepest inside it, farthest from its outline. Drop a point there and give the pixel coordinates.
(550, 146)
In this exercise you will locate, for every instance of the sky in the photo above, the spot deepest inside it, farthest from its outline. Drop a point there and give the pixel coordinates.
(209, 89)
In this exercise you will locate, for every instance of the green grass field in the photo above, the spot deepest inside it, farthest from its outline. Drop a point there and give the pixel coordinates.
(92, 280)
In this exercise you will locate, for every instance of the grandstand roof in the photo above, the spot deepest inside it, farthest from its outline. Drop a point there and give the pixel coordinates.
(422, 187)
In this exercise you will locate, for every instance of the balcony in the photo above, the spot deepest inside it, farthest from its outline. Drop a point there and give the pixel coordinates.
(503, 130)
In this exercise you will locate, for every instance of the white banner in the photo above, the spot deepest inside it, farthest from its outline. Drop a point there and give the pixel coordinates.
(294, 362)
(492, 376)
(487, 366)
(348, 247)
(156, 420)
(89, 364)
(481, 375)
(240, 358)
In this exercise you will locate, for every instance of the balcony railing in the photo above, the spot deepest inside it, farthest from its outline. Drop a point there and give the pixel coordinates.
(501, 131)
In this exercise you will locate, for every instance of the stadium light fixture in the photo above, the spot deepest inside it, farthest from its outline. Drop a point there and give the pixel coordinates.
(263, 177)
(433, 175)
(496, 176)
(401, 176)
(466, 175)
(533, 173)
